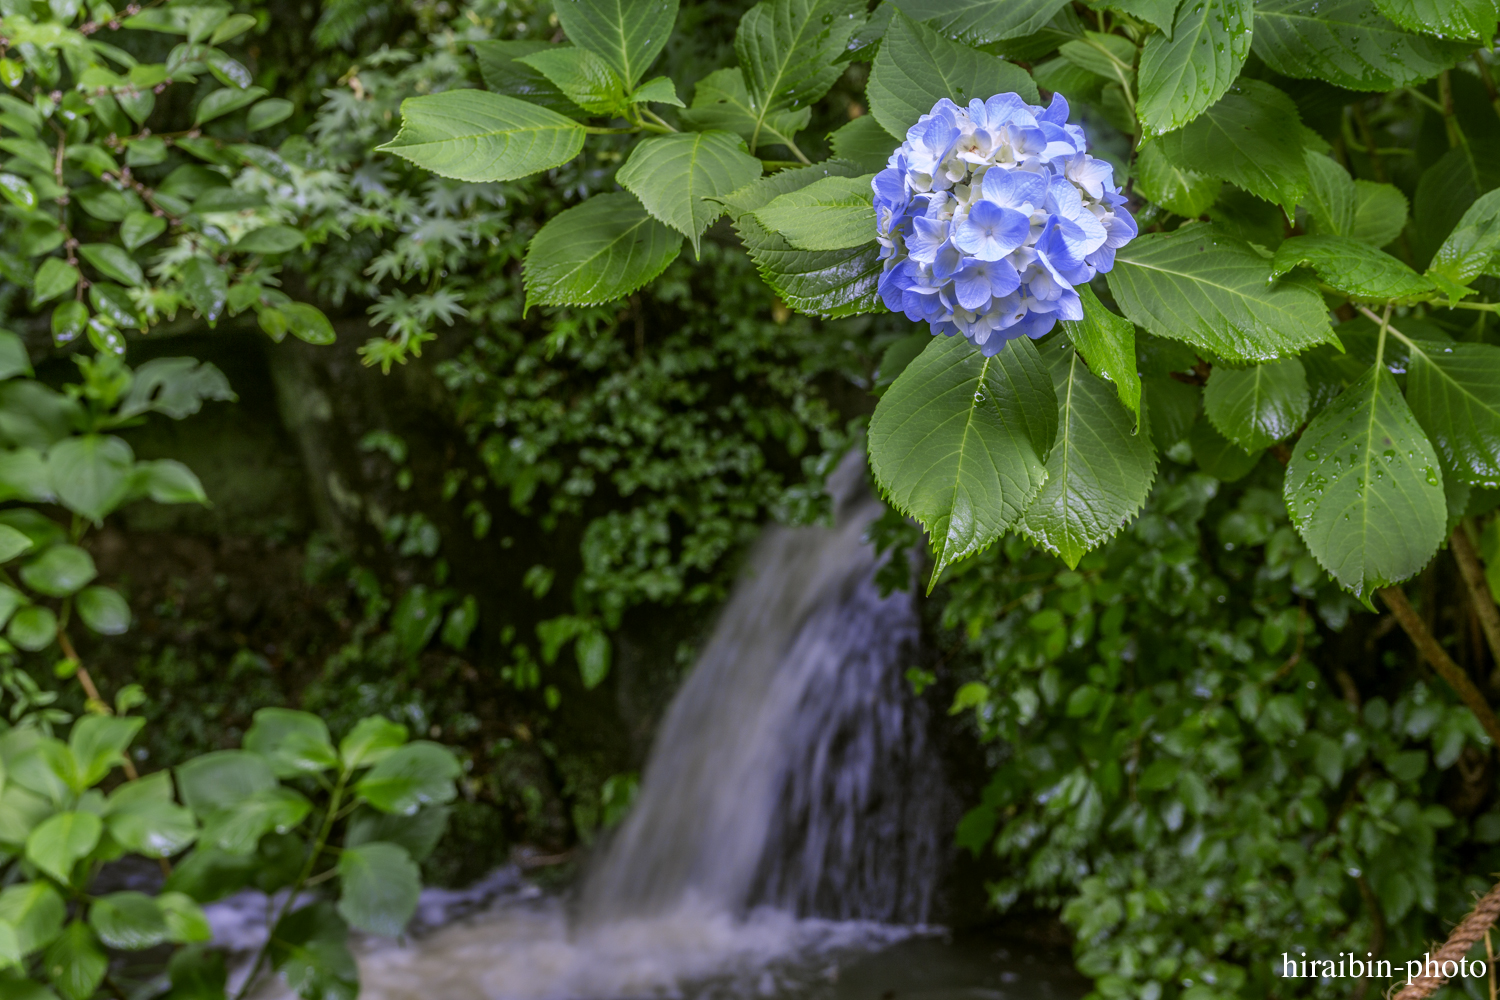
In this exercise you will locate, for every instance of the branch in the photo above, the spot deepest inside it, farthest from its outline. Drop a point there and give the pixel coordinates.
(1438, 657)
(1479, 589)
(1464, 937)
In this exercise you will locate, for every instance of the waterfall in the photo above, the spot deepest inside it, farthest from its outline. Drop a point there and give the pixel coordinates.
(792, 769)
(790, 811)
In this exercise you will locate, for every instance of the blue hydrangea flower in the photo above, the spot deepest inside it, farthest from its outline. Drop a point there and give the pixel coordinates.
(991, 216)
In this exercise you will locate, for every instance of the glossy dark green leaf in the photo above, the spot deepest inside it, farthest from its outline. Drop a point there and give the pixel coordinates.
(113, 262)
(1348, 43)
(59, 571)
(1444, 18)
(1256, 407)
(130, 921)
(1178, 189)
(722, 101)
(309, 949)
(917, 67)
(583, 77)
(596, 252)
(1357, 269)
(834, 213)
(1098, 472)
(959, 442)
(1218, 456)
(294, 742)
(1473, 248)
(1454, 392)
(504, 73)
(789, 49)
(61, 841)
(979, 21)
(1364, 487)
(626, 34)
(863, 142)
(1332, 198)
(1107, 343)
(1184, 74)
(680, 178)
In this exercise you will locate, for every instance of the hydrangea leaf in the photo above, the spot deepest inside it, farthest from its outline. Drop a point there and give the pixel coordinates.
(1257, 406)
(1182, 75)
(1107, 343)
(1444, 18)
(596, 252)
(1158, 12)
(959, 442)
(1213, 290)
(1252, 138)
(1098, 473)
(1331, 196)
(1379, 212)
(863, 142)
(721, 101)
(917, 67)
(829, 214)
(1447, 189)
(583, 77)
(978, 22)
(1348, 43)
(1454, 391)
(675, 176)
(1357, 269)
(309, 947)
(626, 34)
(503, 71)
(1364, 489)
(1473, 247)
(470, 135)
(789, 49)
(1218, 456)
(1176, 188)
(657, 90)
(830, 283)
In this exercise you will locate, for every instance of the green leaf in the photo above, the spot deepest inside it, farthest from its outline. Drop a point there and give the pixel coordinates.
(219, 103)
(186, 921)
(167, 480)
(917, 67)
(1357, 269)
(829, 283)
(1347, 43)
(372, 740)
(1444, 18)
(140, 228)
(237, 827)
(1447, 190)
(1331, 196)
(32, 628)
(12, 543)
(460, 624)
(1218, 456)
(220, 779)
(129, 921)
(271, 111)
(142, 818)
(14, 359)
(1363, 487)
(1107, 343)
(1108, 57)
(60, 842)
(628, 34)
(674, 176)
(112, 301)
(91, 473)
(379, 886)
(1212, 290)
(722, 101)
(59, 571)
(959, 442)
(1454, 392)
(597, 252)
(583, 77)
(830, 214)
(68, 322)
(657, 90)
(36, 911)
(1182, 75)
(207, 287)
(789, 49)
(1098, 473)
(1379, 212)
(1473, 248)
(1252, 138)
(504, 73)
(863, 142)
(176, 387)
(980, 21)
(412, 776)
(98, 743)
(419, 833)
(17, 191)
(1186, 192)
(469, 135)
(308, 324)
(24, 475)
(113, 262)
(309, 949)
(208, 874)
(1256, 407)
(294, 742)
(54, 278)
(592, 651)
(198, 973)
(74, 963)
(269, 239)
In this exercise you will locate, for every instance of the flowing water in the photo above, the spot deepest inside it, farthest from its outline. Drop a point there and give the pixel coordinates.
(788, 836)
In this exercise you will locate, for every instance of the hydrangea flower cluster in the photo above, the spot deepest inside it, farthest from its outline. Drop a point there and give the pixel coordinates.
(989, 217)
